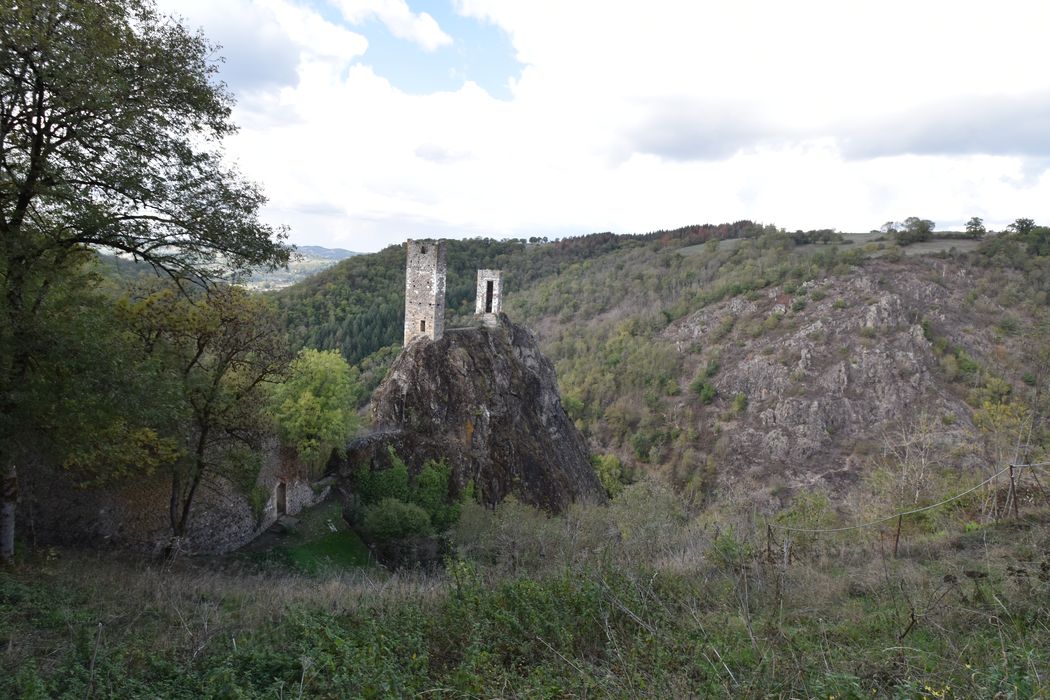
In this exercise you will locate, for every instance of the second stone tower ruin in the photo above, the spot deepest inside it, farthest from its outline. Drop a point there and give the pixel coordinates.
(490, 295)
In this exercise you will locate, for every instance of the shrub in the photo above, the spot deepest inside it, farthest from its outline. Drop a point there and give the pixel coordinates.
(374, 486)
(574, 407)
(391, 519)
(610, 473)
(730, 550)
(704, 389)
(429, 490)
(642, 442)
(739, 403)
(430, 493)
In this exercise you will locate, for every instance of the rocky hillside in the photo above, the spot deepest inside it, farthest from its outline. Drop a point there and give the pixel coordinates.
(486, 401)
(699, 369)
(814, 384)
(757, 362)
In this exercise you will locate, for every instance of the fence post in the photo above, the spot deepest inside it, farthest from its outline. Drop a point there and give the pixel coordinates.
(769, 543)
(1013, 491)
(897, 539)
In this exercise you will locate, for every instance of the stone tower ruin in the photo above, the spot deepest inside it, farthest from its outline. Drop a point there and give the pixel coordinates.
(425, 290)
(490, 295)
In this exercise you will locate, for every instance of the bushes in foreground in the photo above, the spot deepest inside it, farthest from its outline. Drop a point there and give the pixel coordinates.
(633, 599)
(394, 506)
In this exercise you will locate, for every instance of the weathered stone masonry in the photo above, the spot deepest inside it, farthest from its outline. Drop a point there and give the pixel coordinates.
(490, 295)
(425, 290)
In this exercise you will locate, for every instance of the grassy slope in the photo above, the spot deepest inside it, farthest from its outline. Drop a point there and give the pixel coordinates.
(556, 607)
(319, 543)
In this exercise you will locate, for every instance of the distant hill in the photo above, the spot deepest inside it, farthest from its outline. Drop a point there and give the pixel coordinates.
(316, 251)
(311, 260)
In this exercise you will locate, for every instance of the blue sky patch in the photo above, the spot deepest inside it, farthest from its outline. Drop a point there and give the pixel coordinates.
(481, 52)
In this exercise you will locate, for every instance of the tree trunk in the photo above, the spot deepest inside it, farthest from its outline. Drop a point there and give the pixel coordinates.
(181, 503)
(8, 498)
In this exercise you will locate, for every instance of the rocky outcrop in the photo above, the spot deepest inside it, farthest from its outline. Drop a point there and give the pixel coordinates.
(831, 373)
(486, 401)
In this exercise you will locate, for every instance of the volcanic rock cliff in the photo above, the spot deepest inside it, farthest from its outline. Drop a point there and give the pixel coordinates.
(486, 401)
(838, 375)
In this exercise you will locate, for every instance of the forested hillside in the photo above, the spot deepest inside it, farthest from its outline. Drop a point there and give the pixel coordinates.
(357, 306)
(697, 360)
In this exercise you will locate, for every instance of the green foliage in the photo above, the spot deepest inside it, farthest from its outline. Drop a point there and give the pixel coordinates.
(642, 443)
(604, 601)
(739, 403)
(1038, 241)
(975, 227)
(729, 550)
(430, 490)
(314, 406)
(610, 472)
(1022, 227)
(1009, 324)
(222, 348)
(111, 139)
(927, 329)
(373, 486)
(808, 510)
(574, 407)
(391, 519)
(913, 230)
(704, 389)
(431, 493)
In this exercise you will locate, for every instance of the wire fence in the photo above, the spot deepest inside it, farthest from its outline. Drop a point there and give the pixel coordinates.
(1012, 468)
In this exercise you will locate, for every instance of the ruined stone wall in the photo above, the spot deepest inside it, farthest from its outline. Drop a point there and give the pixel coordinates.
(489, 296)
(133, 514)
(425, 290)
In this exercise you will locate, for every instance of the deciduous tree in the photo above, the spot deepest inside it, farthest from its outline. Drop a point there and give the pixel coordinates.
(1022, 226)
(975, 227)
(223, 349)
(315, 406)
(111, 124)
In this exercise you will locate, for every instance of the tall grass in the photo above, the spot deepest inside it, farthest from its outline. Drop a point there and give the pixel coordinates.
(636, 599)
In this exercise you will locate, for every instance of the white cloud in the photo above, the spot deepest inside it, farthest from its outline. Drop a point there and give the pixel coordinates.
(315, 35)
(421, 28)
(631, 118)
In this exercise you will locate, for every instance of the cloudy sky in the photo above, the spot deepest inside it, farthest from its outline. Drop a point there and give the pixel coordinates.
(371, 121)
